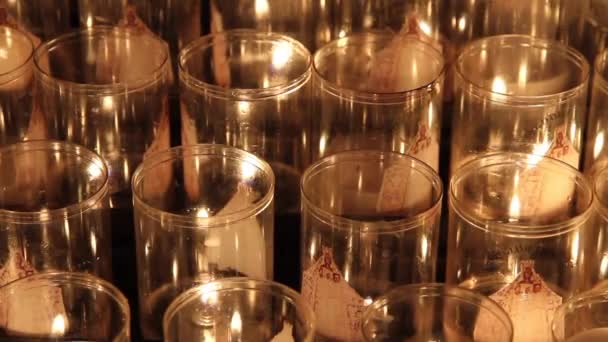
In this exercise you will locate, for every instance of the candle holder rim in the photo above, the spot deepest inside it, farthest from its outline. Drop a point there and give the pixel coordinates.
(383, 227)
(524, 231)
(363, 96)
(587, 298)
(195, 150)
(29, 217)
(125, 87)
(488, 94)
(244, 94)
(19, 70)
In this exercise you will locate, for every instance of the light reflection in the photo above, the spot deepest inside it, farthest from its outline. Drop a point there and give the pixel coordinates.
(599, 145)
(261, 8)
(59, 325)
(236, 325)
(425, 27)
(604, 266)
(462, 24)
(499, 85)
(514, 208)
(574, 249)
(281, 55)
(424, 247)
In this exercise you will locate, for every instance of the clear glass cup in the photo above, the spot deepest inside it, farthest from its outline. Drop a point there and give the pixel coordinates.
(370, 222)
(583, 318)
(590, 35)
(519, 94)
(16, 68)
(201, 212)
(63, 306)
(596, 262)
(44, 19)
(519, 232)
(596, 146)
(435, 312)
(239, 309)
(378, 91)
(251, 90)
(53, 210)
(93, 89)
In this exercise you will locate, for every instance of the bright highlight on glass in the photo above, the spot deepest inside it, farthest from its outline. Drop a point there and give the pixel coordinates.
(596, 152)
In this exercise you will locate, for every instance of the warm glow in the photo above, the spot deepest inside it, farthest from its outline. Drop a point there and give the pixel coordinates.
(599, 145)
(59, 325)
(244, 107)
(462, 24)
(499, 85)
(202, 213)
(261, 8)
(574, 249)
(425, 27)
(424, 247)
(604, 265)
(108, 104)
(522, 76)
(515, 207)
(281, 55)
(538, 152)
(236, 324)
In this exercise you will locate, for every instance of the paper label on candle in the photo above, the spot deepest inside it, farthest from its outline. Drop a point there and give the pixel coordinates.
(425, 147)
(337, 306)
(562, 148)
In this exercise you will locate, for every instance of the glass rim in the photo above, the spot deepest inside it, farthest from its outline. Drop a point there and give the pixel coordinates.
(524, 231)
(234, 284)
(189, 151)
(487, 93)
(574, 303)
(245, 94)
(85, 281)
(19, 70)
(101, 89)
(45, 215)
(600, 67)
(364, 96)
(400, 293)
(385, 227)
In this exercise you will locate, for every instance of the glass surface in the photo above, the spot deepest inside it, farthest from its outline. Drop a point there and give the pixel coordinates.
(239, 309)
(93, 89)
(596, 263)
(596, 148)
(378, 91)
(583, 318)
(520, 233)
(435, 313)
(519, 94)
(63, 306)
(251, 90)
(53, 210)
(44, 19)
(370, 222)
(201, 212)
(591, 33)
(16, 67)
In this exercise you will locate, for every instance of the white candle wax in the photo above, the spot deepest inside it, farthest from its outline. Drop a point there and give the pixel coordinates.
(592, 335)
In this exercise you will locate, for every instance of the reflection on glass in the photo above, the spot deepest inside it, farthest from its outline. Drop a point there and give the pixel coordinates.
(596, 263)
(519, 233)
(591, 34)
(44, 19)
(201, 212)
(596, 150)
(583, 318)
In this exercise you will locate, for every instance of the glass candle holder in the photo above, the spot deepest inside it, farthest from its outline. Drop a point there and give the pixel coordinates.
(53, 210)
(378, 91)
(239, 309)
(251, 90)
(370, 222)
(519, 234)
(63, 306)
(591, 34)
(16, 66)
(519, 94)
(583, 318)
(201, 212)
(106, 88)
(596, 262)
(435, 312)
(33, 16)
(596, 148)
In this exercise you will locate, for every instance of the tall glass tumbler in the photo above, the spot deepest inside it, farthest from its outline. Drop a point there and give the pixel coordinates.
(53, 210)
(378, 91)
(63, 306)
(106, 88)
(201, 212)
(583, 318)
(521, 94)
(239, 309)
(435, 312)
(596, 146)
(16, 69)
(519, 233)
(370, 222)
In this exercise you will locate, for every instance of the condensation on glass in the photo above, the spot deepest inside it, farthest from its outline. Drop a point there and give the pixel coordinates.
(201, 212)
(435, 312)
(107, 89)
(522, 94)
(378, 91)
(583, 318)
(235, 309)
(53, 210)
(251, 90)
(520, 233)
(370, 222)
(596, 146)
(61, 306)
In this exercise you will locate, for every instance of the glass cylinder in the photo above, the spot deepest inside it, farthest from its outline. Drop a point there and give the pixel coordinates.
(43, 19)
(591, 34)
(106, 89)
(53, 210)
(235, 309)
(519, 233)
(596, 262)
(519, 94)
(435, 312)
(596, 146)
(583, 318)
(201, 212)
(16, 67)
(370, 222)
(63, 306)
(251, 90)
(378, 91)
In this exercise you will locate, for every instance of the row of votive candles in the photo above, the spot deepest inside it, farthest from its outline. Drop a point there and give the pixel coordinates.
(528, 232)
